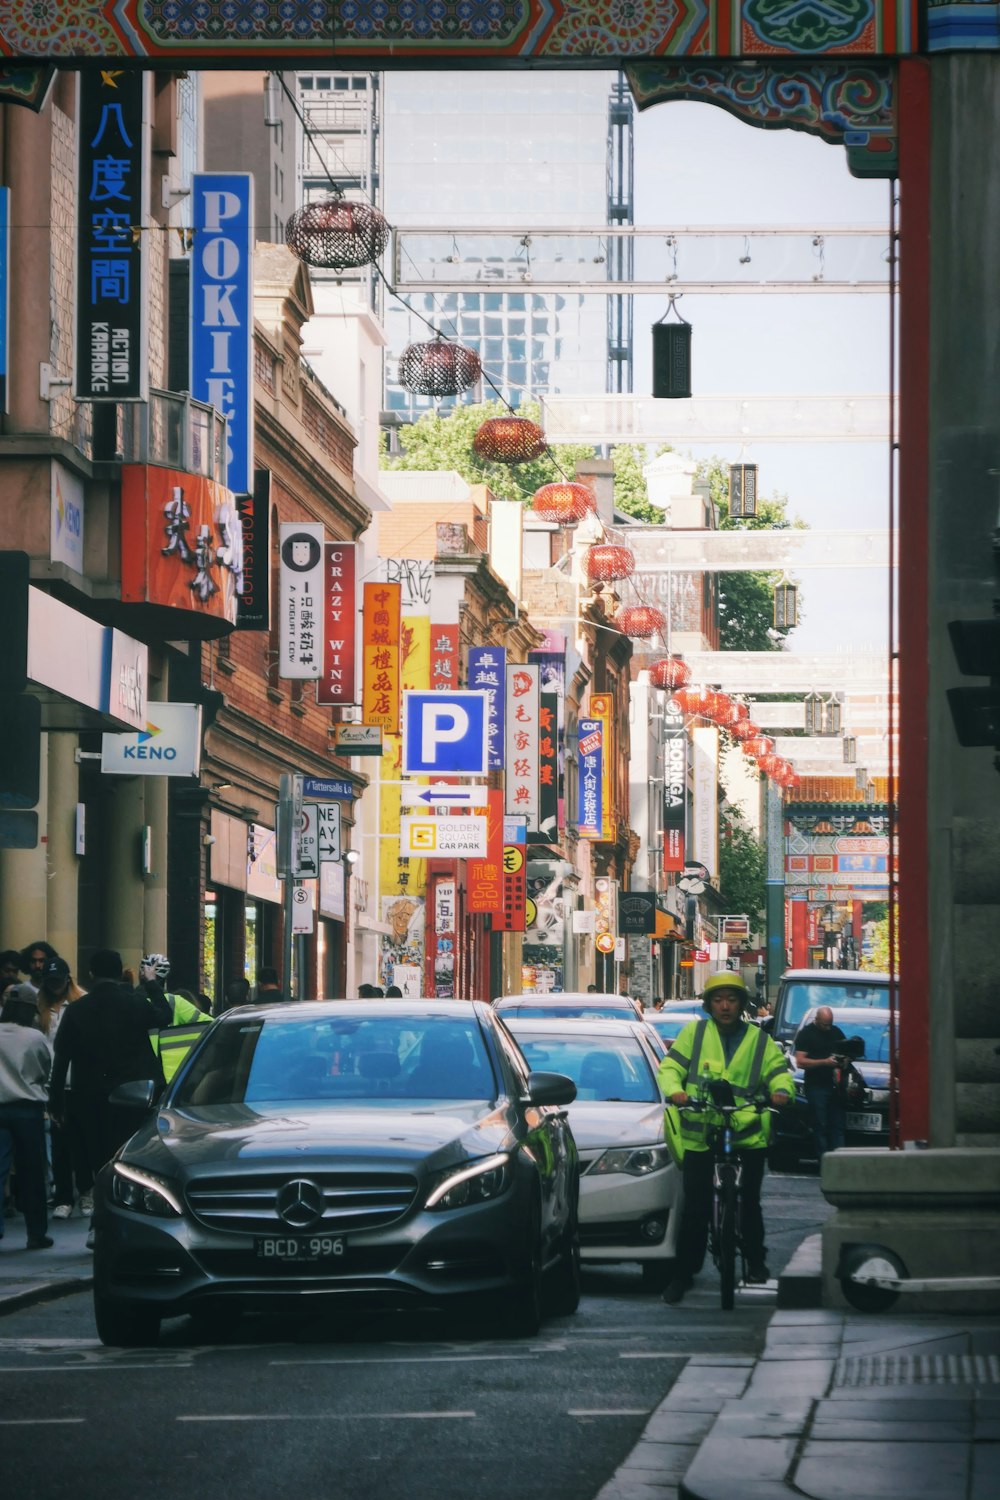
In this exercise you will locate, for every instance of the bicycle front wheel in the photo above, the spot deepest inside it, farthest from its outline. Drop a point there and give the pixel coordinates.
(727, 1241)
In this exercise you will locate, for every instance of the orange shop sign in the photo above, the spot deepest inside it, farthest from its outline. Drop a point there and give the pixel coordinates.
(182, 544)
(380, 624)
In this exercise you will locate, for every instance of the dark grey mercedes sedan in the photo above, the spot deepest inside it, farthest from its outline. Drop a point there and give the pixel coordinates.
(397, 1153)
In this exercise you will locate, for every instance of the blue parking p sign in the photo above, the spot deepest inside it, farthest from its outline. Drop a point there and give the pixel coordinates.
(445, 733)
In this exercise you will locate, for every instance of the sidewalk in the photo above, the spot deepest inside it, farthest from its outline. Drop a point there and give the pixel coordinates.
(28, 1276)
(839, 1406)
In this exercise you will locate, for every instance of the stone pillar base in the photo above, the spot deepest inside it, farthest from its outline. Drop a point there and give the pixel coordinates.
(938, 1211)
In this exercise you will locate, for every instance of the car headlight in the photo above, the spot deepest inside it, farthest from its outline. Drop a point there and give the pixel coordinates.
(143, 1193)
(475, 1183)
(877, 1096)
(636, 1161)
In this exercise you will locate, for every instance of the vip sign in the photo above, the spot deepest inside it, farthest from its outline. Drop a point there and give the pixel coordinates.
(222, 311)
(487, 672)
(522, 744)
(380, 627)
(337, 682)
(301, 575)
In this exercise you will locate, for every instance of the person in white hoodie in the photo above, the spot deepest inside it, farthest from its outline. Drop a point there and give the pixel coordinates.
(25, 1064)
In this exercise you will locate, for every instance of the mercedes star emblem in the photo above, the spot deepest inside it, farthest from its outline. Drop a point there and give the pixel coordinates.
(300, 1203)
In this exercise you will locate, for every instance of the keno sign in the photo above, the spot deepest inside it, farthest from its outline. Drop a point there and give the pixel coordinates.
(222, 311)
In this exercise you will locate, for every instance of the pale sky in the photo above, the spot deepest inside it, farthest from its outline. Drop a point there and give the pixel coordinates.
(696, 164)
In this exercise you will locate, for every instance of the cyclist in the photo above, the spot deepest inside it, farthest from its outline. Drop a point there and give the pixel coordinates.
(179, 1017)
(721, 1046)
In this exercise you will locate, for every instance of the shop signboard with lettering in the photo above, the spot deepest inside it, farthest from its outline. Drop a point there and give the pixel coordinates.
(253, 603)
(522, 735)
(380, 665)
(181, 545)
(301, 634)
(487, 672)
(222, 329)
(337, 682)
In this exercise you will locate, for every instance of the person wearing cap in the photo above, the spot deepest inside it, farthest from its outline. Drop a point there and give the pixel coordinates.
(68, 1159)
(25, 1062)
(722, 1045)
(178, 1031)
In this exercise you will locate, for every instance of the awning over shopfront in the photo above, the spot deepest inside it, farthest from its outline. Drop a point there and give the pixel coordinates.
(88, 676)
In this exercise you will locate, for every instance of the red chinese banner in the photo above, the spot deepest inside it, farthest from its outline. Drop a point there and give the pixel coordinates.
(444, 657)
(549, 802)
(521, 768)
(380, 619)
(484, 877)
(338, 679)
(182, 544)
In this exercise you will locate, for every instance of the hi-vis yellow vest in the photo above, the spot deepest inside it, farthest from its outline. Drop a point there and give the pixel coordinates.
(758, 1066)
(173, 1043)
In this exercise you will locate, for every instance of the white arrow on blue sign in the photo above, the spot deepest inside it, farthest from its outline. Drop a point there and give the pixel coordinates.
(445, 733)
(440, 796)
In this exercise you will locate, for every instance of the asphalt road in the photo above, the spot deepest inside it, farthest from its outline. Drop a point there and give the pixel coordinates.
(392, 1408)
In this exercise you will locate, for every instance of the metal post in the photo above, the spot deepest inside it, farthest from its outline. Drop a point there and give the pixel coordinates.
(289, 807)
(775, 888)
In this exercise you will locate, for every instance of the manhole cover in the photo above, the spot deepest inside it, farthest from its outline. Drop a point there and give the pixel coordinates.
(917, 1369)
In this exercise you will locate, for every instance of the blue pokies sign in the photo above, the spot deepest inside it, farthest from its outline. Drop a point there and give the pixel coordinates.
(222, 311)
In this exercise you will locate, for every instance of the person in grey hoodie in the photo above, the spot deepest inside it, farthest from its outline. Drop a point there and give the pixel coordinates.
(25, 1063)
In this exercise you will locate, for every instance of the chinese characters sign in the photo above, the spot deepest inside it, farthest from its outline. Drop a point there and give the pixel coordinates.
(590, 768)
(110, 291)
(548, 767)
(222, 310)
(487, 669)
(182, 542)
(602, 707)
(380, 655)
(302, 619)
(444, 657)
(522, 744)
(511, 917)
(337, 682)
(484, 877)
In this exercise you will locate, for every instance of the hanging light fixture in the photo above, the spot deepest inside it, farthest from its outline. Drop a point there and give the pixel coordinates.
(336, 233)
(607, 562)
(769, 763)
(760, 745)
(744, 730)
(786, 607)
(850, 746)
(692, 700)
(670, 672)
(438, 368)
(564, 502)
(742, 492)
(671, 355)
(509, 440)
(640, 621)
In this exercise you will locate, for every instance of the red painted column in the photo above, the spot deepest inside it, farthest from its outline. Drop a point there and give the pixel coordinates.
(914, 77)
(800, 934)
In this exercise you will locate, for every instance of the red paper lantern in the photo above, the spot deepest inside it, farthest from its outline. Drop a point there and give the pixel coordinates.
(758, 746)
(745, 730)
(607, 562)
(334, 233)
(438, 368)
(509, 440)
(692, 700)
(670, 672)
(769, 764)
(564, 502)
(640, 621)
(794, 782)
(743, 710)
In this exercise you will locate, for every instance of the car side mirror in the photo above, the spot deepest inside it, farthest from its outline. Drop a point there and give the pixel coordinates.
(550, 1088)
(141, 1093)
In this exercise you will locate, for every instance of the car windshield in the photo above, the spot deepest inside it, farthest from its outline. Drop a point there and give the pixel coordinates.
(280, 1061)
(874, 1034)
(800, 996)
(603, 1068)
(669, 1025)
(551, 1012)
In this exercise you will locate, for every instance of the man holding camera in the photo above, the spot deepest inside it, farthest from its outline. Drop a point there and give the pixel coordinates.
(820, 1051)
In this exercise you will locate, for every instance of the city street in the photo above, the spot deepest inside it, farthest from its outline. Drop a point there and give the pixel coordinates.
(395, 1407)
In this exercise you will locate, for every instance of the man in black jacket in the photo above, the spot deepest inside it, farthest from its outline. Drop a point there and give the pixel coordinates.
(104, 1036)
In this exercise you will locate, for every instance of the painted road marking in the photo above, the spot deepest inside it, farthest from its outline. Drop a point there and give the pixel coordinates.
(392, 1359)
(335, 1416)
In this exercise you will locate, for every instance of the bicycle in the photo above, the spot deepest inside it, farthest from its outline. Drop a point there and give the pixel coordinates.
(725, 1228)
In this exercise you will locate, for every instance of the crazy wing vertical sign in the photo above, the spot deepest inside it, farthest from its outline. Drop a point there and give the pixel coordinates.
(111, 247)
(487, 670)
(338, 678)
(222, 311)
(381, 612)
(522, 744)
(590, 768)
(301, 638)
(674, 788)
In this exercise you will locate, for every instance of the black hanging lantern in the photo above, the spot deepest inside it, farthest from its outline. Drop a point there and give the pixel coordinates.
(742, 492)
(672, 356)
(438, 368)
(850, 745)
(786, 606)
(335, 234)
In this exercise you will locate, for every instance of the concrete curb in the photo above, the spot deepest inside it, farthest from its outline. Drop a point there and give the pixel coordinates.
(43, 1291)
(800, 1284)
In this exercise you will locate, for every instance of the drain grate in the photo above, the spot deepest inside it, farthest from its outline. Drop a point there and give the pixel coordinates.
(866, 1370)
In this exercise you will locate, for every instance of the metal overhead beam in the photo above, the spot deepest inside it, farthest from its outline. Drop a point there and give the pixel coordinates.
(660, 552)
(717, 420)
(751, 672)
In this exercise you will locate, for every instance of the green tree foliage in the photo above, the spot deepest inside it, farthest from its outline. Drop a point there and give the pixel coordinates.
(742, 869)
(746, 600)
(436, 442)
(630, 486)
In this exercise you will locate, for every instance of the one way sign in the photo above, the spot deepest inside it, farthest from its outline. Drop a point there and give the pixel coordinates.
(328, 830)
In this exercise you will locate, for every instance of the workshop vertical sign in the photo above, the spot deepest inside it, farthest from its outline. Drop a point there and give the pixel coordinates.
(222, 311)
(111, 362)
(337, 683)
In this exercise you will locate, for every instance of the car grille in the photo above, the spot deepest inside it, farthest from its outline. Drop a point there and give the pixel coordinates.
(246, 1202)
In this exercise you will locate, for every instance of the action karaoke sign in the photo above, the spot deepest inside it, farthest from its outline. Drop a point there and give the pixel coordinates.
(111, 252)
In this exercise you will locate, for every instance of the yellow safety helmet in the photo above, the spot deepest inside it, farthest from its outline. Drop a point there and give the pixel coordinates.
(726, 980)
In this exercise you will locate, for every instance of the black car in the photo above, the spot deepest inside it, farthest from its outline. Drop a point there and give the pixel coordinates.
(866, 1090)
(388, 1152)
